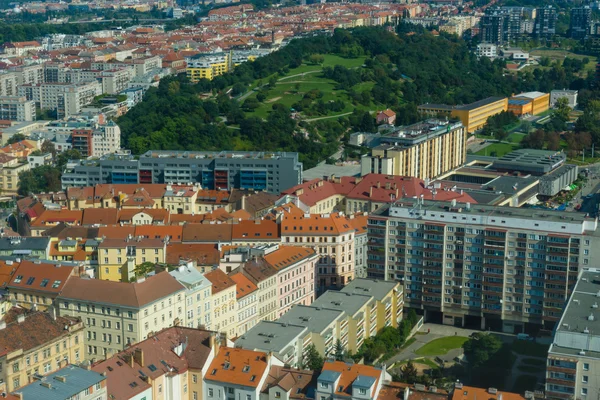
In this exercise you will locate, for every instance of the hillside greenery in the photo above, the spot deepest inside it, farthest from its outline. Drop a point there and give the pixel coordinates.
(382, 69)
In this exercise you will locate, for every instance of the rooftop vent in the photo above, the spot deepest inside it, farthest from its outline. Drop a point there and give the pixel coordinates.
(492, 390)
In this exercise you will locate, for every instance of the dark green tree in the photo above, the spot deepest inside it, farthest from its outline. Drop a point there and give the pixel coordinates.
(339, 351)
(409, 373)
(17, 137)
(144, 268)
(480, 348)
(44, 178)
(314, 360)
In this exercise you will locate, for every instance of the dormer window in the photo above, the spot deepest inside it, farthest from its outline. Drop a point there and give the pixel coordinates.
(362, 391)
(324, 385)
(246, 368)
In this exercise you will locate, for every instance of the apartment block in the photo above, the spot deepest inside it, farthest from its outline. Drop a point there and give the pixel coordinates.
(359, 311)
(36, 344)
(115, 81)
(17, 108)
(118, 314)
(36, 285)
(198, 296)
(271, 172)
(207, 66)
(33, 247)
(10, 168)
(574, 356)
(237, 373)
(332, 237)
(70, 382)
(580, 23)
(247, 303)
(570, 95)
(117, 258)
(9, 82)
(65, 98)
(423, 150)
(545, 22)
(224, 317)
(168, 365)
(506, 269)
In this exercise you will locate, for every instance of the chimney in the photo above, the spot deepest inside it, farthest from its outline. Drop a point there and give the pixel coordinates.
(214, 344)
(371, 191)
(138, 356)
(21, 318)
(52, 312)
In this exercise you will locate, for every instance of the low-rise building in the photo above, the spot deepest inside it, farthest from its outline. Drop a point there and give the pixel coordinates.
(224, 302)
(247, 303)
(10, 168)
(340, 380)
(198, 295)
(37, 343)
(570, 95)
(117, 314)
(117, 258)
(70, 382)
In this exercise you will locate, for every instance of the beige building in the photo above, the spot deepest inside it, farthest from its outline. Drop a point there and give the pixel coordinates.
(224, 303)
(117, 314)
(423, 150)
(117, 258)
(38, 343)
(10, 168)
(247, 303)
(331, 236)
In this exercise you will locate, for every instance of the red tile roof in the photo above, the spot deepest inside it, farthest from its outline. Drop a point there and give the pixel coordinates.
(238, 367)
(220, 281)
(41, 277)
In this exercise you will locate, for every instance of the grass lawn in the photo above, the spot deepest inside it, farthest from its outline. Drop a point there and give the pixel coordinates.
(499, 149)
(558, 54)
(441, 346)
(527, 348)
(523, 383)
(537, 362)
(426, 361)
(516, 137)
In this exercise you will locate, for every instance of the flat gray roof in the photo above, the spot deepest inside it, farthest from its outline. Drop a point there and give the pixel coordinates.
(370, 287)
(76, 380)
(583, 308)
(270, 336)
(316, 320)
(327, 170)
(350, 303)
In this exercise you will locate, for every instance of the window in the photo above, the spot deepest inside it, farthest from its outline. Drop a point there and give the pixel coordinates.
(16, 367)
(44, 283)
(16, 383)
(277, 395)
(194, 378)
(18, 279)
(584, 379)
(210, 392)
(586, 366)
(248, 397)
(130, 327)
(56, 284)
(584, 391)
(30, 281)
(194, 395)
(362, 391)
(324, 385)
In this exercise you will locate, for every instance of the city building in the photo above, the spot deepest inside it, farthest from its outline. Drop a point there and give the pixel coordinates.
(341, 380)
(545, 22)
(70, 382)
(574, 355)
(118, 314)
(570, 95)
(530, 103)
(207, 66)
(17, 108)
(463, 392)
(197, 295)
(580, 23)
(271, 172)
(168, 365)
(32, 247)
(66, 99)
(506, 269)
(21, 48)
(37, 343)
(247, 303)
(223, 292)
(36, 284)
(473, 116)
(237, 373)
(493, 27)
(10, 168)
(488, 50)
(423, 150)
(118, 258)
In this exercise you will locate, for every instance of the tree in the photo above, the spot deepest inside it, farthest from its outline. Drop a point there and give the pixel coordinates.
(339, 351)
(409, 373)
(316, 59)
(144, 268)
(44, 178)
(238, 89)
(534, 140)
(480, 348)
(563, 110)
(48, 147)
(314, 360)
(17, 137)
(65, 156)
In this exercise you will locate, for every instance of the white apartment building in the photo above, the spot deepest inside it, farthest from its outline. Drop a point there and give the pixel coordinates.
(198, 296)
(107, 139)
(66, 99)
(8, 84)
(17, 108)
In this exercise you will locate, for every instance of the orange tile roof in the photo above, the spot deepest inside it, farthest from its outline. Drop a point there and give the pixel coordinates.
(116, 232)
(474, 393)
(202, 253)
(288, 255)
(238, 367)
(243, 285)
(255, 230)
(220, 281)
(160, 215)
(315, 224)
(41, 277)
(54, 216)
(100, 216)
(349, 373)
(175, 232)
(7, 270)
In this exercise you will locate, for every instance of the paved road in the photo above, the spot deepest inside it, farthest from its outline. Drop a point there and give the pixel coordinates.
(331, 116)
(302, 74)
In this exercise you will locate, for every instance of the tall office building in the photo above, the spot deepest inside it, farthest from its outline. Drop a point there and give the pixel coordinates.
(581, 22)
(505, 269)
(545, 23)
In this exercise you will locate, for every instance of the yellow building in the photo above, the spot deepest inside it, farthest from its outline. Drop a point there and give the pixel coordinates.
(532, 103)
(10, 168)
(208, 66)
(47, 343)
(117, 258)
(424, 150)
(224, 318)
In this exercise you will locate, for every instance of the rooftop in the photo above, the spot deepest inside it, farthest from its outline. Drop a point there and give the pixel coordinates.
(350, 303)
(474, 393)
(62, 384)
(42, 277)
(315, 319)
(271, 336)
(238, 366)
(371, 287)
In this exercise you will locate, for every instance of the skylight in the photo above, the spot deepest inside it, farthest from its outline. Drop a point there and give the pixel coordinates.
(152, 367)
(30, 280)
(19, 278)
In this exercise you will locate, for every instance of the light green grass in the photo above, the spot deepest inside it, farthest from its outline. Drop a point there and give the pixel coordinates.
(441, 346)
(515, 137)
(499, 148)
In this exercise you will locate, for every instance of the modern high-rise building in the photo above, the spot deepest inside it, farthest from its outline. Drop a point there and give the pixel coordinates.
(574, 356)
(423, 150)
(581, 22)
(17, 108)
(506, 269)
(494, 28)
(545, 23)
(269, 171)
